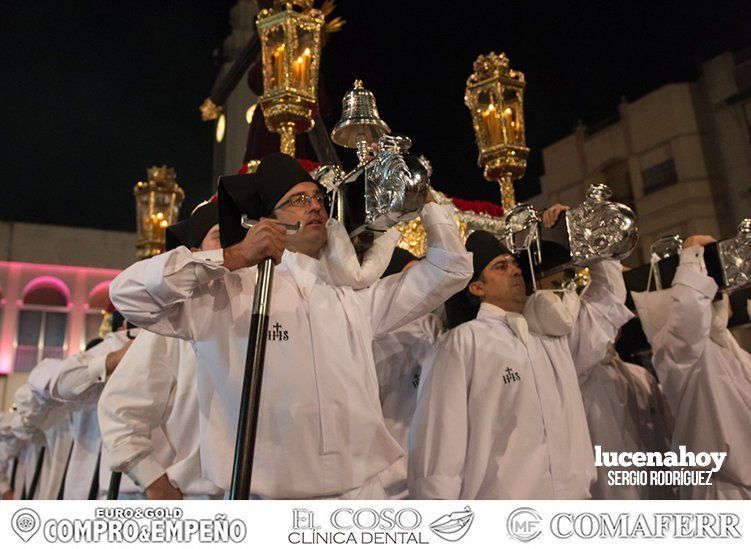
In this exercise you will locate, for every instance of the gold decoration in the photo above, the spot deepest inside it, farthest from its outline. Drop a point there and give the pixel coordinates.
(105, 326)
(290, 35)
(495, 98)
(252, 165)
(210, 110)
(332, 25)
(413, 233)
(158, 201)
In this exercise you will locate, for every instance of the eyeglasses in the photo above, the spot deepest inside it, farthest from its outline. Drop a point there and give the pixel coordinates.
(300, 200)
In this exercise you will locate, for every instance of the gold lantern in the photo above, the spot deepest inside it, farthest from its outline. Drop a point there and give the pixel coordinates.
(158, 201)
(495, 97)
(290, 36)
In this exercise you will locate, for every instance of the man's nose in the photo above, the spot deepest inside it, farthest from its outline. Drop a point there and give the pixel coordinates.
(315, 205)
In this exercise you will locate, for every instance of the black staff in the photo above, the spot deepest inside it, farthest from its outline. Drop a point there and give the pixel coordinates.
(247, 427)
(242, 199)
(113, 492)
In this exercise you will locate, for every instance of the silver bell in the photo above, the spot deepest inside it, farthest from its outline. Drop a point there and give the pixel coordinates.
(360, 123)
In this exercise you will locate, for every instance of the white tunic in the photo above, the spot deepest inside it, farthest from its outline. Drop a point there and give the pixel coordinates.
(35, 417)
(9, 449)
(399, 357)
(708, 386)
(154, 387)
(626, 412)
(498, 418)
(321, 430)
(78, 386)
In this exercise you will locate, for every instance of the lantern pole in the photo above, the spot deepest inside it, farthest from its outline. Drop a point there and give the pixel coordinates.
(290, 38)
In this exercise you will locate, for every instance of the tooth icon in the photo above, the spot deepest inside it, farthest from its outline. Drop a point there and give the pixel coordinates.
(25, 523)
(454, 526)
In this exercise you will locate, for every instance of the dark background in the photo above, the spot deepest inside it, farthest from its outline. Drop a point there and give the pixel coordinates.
(95, 91)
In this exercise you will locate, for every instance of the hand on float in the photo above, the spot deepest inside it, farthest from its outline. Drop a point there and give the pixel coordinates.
(698, 240)
(551, 215)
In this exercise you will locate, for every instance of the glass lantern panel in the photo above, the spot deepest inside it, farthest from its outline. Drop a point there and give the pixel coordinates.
(275, 52)
(303, 74)
(162, 215)
(489, 117)
(142, 215)
(512, 116)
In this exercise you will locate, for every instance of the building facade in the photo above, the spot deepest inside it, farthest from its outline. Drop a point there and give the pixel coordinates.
(679, 156)
(54, 287)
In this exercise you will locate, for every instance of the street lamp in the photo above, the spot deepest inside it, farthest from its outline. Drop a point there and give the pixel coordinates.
(158, 201)
(495, 98)
(290, 35)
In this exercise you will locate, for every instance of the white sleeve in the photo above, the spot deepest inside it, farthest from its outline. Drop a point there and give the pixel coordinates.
(679, 344)
(137, 399)
(446, 269)
(602, 313)
(162, 293)
(36, 409)
(439, 431)
(27, 414)
(78, 381)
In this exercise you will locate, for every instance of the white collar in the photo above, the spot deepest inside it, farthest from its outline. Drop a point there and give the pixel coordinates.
(515, 321)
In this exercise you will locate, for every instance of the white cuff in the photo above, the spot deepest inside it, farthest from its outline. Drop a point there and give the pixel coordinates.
(441, 228)
(693, 258)
(146, 471)
(97, 369)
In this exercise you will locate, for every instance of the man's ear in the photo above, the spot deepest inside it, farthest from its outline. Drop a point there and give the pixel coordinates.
(477, 288)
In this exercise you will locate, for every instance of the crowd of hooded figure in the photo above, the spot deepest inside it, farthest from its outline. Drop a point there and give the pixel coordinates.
(374, 386)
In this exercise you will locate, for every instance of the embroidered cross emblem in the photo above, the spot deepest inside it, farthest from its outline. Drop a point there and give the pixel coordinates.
(511, 376)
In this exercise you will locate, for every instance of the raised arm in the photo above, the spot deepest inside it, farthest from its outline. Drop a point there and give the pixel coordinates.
(601, 315)
(172, 294)
(35, 406)
(679, 344)
(399, 299)
(79, 380)
(440, 429)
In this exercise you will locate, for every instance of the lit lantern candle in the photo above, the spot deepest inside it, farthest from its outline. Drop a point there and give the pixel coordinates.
(490, 119)
(278, 64)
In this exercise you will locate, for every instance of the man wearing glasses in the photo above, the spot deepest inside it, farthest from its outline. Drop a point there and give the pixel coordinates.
(321, 431)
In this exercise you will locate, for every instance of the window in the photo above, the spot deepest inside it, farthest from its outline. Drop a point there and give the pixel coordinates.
(99, 303)
(42, 323)
(659, 176)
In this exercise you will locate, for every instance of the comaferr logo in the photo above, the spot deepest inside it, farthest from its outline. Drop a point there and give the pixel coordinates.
(524, 524)
(657, 525)
(454, 526)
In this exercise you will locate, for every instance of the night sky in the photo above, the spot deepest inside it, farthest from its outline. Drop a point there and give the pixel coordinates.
(95, 91)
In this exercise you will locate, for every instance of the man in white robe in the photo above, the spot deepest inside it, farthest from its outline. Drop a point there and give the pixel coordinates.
(154, 387)
(626, 412)
(399, 356)
(706, 376)
(47, 426)
(499, 414)
(321, 431)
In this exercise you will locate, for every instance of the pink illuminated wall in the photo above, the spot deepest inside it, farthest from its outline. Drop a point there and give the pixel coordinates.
(77, 284)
